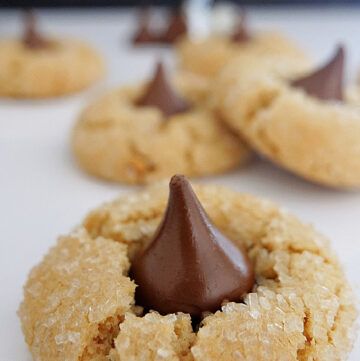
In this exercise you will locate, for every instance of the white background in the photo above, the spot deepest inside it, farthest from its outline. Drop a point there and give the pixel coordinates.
(43, 194)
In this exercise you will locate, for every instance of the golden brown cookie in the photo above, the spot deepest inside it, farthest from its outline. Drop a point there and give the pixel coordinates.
(62, 67)
(208, 56)
(314, 138)
(118, 140)
(75, 299)
(80, 300)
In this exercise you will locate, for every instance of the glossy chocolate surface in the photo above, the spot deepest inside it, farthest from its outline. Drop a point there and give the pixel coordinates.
(325, 83)
(190, 266)
(160, 94)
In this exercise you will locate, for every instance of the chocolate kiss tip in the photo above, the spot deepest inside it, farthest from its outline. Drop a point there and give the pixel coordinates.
(189, 266)
(160, 94)
(325, 83)
(176, 179)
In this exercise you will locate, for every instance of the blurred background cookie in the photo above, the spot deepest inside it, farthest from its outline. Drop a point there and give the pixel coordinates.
(145, 133)
(305, 124)
(207, 56)
(37, 66)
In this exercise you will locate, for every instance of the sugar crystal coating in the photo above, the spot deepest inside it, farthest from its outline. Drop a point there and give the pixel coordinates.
(171, 337)
(75, 299)
(302, 309)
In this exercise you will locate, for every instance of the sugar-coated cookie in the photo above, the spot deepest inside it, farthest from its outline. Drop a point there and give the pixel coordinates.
(207, 57)
(118, 139)
(62, 67)
(79, 301)
(299, 124)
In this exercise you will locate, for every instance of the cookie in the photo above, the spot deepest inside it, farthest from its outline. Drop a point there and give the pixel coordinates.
(64, 67)
(207, 57)
(118, 139)
(40, 67)
(79, 301)
(294, 123)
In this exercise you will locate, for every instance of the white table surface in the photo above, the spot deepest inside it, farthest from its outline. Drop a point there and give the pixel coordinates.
(43, 194)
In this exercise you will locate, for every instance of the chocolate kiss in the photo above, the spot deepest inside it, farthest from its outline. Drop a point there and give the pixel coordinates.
(143, 34)
(31, 38)
(177, 27)
(190, 266)
(241, 33)
(161, 95)
(325, 83)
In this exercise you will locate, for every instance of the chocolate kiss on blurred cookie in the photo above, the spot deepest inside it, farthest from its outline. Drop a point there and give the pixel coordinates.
(145, 132)
(41, 66)
(206, 56)
(174, 29)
